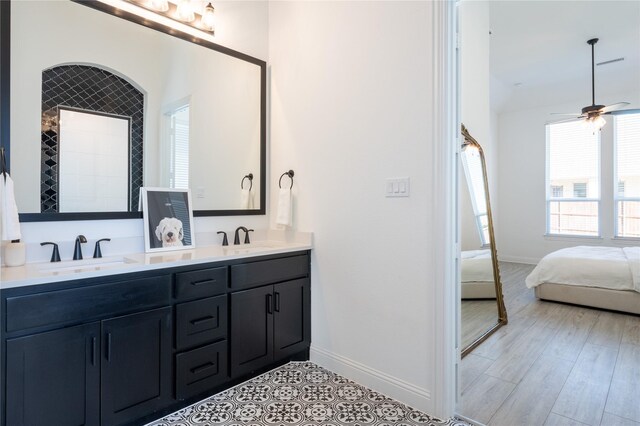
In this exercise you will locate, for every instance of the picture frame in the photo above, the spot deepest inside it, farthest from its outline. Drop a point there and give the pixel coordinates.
(167, 215)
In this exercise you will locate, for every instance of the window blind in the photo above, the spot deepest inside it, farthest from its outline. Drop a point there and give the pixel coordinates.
(627, 175)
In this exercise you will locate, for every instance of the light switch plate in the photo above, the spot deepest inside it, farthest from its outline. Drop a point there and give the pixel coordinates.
(397, 187)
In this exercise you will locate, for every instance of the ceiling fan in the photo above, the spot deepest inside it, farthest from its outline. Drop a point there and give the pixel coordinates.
(593, 114)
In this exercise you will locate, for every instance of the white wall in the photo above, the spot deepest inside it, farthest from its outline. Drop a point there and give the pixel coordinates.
(521, 186)
(477, 116)
(351, 98)
(242, 26)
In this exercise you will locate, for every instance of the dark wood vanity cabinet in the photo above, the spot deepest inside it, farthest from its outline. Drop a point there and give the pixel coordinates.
(53, 378)
(269, 323)
(126, 349)
(135, 365)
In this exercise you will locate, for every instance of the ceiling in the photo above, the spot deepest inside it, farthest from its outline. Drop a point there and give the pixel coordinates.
(539, 55)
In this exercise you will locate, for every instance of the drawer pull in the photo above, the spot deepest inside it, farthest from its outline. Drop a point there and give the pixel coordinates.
(201, 282)
(203, 367)
(201, 320)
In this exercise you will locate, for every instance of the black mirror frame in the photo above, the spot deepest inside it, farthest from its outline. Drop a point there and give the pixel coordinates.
(5, 76)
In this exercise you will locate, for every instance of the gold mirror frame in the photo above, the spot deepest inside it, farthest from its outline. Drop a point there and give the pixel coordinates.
(469, 141)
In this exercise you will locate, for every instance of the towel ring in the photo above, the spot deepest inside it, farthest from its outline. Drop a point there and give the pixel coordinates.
(290, 174)
(250, 177)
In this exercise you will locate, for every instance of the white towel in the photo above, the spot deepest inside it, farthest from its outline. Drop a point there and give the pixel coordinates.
(246, 199)
(285, 208)
(9, 222)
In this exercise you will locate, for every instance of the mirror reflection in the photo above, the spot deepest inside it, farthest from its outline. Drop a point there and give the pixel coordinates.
(124, 106)
(482, 305)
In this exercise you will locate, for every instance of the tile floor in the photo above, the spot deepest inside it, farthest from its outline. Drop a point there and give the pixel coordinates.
(300, 393)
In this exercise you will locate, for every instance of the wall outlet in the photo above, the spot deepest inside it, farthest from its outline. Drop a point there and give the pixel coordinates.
(397, 187)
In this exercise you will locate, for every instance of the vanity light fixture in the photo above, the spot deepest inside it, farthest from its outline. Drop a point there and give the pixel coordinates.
(208, 18)
(159, 5)
(187, 12)
(184, 11)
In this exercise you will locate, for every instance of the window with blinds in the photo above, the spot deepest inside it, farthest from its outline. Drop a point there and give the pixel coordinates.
(179, 148)
(627, 175)
(573, 164)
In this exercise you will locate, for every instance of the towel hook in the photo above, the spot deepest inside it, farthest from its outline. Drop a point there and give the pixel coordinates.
(290, 174)
(250, 177)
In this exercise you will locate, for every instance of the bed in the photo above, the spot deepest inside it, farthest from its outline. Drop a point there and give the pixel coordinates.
(600, 277)
(476, 274)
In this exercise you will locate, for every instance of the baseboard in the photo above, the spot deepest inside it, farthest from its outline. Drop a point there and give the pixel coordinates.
(405, 392)
(518, 259)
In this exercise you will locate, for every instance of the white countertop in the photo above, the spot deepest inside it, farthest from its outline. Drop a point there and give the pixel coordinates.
(42, 273)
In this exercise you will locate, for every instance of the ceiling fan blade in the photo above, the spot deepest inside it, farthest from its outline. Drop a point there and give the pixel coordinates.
(577, 114)
(623, 112)
(614, 107)
(566, 120)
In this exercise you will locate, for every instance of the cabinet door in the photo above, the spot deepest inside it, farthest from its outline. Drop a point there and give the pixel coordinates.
(251, 330)
(136, 365)
(292, 317)
(53, 378)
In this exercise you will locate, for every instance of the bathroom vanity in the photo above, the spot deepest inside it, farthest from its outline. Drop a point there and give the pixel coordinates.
(126, 348)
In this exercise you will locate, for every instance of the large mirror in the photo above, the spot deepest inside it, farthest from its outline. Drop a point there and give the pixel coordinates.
(104, 105)
(482, 304)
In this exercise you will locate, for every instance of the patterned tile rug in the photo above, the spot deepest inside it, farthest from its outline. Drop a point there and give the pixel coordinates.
(300, 393)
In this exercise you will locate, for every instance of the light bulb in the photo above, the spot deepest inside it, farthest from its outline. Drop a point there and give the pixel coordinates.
(599, 122)
(159, 5)
(185, 11)
(595, 123)
(208, 18)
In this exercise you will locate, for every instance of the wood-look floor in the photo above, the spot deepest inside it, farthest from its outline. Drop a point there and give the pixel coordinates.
(553, 364)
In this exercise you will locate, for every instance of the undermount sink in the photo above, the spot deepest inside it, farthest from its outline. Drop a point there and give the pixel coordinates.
(248, 248)
(83, 265)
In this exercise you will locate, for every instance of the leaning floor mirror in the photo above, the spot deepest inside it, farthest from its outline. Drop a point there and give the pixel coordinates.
(482, 306)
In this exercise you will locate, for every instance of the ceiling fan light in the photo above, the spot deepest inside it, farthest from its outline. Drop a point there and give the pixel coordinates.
(596, 123)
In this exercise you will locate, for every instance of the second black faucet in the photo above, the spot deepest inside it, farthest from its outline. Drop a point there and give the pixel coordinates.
(236, 238)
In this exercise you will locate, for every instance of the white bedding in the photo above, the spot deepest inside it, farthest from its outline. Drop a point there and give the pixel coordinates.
(606, 267)
(476, 266)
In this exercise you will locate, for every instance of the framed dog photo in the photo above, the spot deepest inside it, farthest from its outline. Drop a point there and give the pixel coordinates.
(168, 219)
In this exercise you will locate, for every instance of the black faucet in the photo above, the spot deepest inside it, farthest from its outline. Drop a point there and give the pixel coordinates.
(77, 251)
(55, 255)
(236, 238)
(246, 236)
(225, 241)
(97, 253)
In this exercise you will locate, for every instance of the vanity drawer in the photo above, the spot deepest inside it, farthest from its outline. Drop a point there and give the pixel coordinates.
(201, 369)
(202, 283)
(201, 321)
(84, 304)
(254, 274)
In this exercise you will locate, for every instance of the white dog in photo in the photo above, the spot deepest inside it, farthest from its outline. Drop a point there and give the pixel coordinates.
(169, 231)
